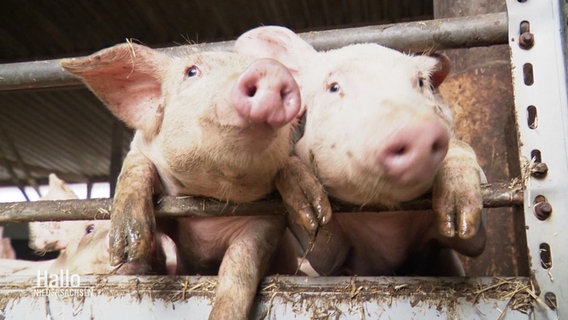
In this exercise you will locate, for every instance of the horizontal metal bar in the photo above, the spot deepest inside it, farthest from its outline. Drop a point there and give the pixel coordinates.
(450, 33)
(279, 297)
(428, 35)
(494, 195)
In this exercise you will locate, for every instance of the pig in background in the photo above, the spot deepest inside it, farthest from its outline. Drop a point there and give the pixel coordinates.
(82, 244)
(89, 256)
(213, 124)
(58, 235)
(378, 132)
(72, 238)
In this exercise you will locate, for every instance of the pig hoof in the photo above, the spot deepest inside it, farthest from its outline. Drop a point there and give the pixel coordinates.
(469, 222)
(466, 226)
(446, 227)
(304, 196)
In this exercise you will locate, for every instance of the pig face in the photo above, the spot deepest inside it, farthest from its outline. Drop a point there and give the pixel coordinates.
(91, 254)
(207, 107)
(376, 130)
(205, 120)
(56, 235)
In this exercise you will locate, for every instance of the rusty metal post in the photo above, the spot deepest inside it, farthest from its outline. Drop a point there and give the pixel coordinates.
(481, 94)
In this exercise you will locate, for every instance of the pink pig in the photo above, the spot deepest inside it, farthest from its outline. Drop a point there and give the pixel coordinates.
(378, 132)
(213, 124)
(90, 255)
(58, 235)
(79, 253)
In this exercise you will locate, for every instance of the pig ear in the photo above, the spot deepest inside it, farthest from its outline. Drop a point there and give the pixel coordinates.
(277, 43)
(441, 70)
(126, 78)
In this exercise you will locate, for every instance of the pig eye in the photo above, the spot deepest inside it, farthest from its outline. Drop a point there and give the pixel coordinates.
(334, 87)
(89, 229)
(421, 81)
(192, 71)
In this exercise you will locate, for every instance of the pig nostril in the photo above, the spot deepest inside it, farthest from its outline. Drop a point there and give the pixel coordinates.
(436, 146)
(251, 91)
(439, 145)
(400, 151)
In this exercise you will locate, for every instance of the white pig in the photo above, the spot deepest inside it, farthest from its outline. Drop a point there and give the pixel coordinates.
(48, 236)
(90, 256)
(214, 124)
(65, 236)
(378, 132)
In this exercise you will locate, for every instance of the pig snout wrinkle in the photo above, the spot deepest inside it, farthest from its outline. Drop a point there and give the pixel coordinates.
(267, 93)
(414, 152)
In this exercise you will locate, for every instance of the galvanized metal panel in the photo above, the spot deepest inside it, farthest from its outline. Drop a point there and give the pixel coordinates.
(539, 79)
(154, 297)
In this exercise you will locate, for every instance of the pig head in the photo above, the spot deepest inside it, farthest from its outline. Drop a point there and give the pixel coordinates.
(378, 132)
(48, 236)
(213, 124)
(90, 255)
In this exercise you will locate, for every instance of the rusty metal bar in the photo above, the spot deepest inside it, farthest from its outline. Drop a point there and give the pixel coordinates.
(494, 195)
(462, 32)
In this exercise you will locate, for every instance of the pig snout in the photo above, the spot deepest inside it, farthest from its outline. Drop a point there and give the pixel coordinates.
(414, 152)
(266, 92)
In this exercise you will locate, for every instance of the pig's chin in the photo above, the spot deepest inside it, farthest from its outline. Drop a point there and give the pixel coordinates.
(377, 190)
(372, 185)
(390, 198)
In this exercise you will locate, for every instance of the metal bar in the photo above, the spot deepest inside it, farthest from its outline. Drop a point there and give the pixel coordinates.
(494, 195)
(279, 297)
(428, 35)
(451, 33)
(538, 64)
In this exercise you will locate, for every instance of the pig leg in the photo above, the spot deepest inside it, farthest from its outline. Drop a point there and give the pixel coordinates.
(304, 196)
(456, 195)
(245, 262)
(132, 218)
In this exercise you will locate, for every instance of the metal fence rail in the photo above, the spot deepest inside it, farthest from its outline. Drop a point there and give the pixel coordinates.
(463, 32)
(494, 195)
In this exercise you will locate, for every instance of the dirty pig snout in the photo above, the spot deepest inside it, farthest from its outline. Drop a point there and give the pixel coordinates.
(266, 92)
(414, 152)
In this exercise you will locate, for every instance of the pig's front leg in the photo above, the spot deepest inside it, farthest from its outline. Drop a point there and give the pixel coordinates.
(132, 218)
(245, 262)
(456, 197)
(304, 196)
